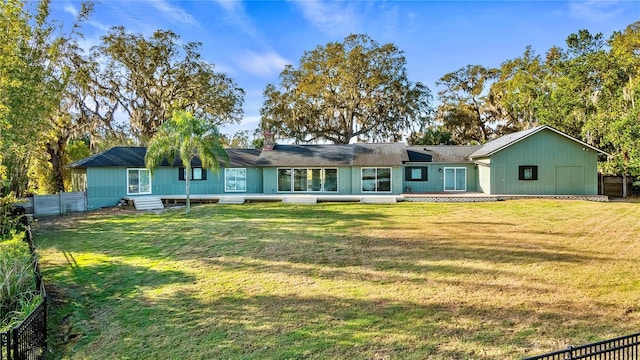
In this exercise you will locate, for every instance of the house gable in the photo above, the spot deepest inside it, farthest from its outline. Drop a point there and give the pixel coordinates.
(562, 166)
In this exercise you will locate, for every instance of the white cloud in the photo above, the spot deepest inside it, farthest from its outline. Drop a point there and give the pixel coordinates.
(70, 9)
(594, 10)
(331, 17)
(248, 123)
(237, 16)
(230, 5)
(262, 64)
(175, 13)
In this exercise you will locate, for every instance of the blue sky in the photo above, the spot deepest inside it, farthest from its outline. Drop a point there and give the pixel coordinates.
(251, 41)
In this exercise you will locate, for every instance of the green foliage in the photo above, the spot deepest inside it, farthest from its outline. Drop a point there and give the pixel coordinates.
(17, 281)
(431, 136)
(186, 137)
(345, 90)
(467, 111)
(8, 222)
(150, 77)
(516, 91)
(590, 89)
(34, 78)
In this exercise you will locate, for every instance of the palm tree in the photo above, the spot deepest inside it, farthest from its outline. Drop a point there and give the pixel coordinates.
(186, 137)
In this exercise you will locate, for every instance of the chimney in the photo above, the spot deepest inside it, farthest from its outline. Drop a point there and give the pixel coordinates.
(269, 141)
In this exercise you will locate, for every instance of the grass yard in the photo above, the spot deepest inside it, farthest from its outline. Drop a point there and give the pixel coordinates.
(346, 281)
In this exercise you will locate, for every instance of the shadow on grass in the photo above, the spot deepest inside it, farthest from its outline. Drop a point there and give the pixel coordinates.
(355, 245)
(84, 297)
(292, 327)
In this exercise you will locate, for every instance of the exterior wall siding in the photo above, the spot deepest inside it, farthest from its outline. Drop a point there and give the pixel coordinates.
(107, 186)
(563, 167)
(435, 178)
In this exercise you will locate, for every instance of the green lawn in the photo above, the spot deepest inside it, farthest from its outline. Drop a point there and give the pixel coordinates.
(346, 281)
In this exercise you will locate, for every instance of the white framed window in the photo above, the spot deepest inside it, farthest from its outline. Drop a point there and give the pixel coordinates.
(376, 179)
(138, 182)
(235, 180)
(307, 180)
(455, 179)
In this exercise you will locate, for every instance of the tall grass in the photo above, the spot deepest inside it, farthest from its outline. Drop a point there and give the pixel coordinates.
(18, 296)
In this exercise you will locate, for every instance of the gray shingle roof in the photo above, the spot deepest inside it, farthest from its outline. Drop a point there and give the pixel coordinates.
(334, 155)
(502, 142)
(122, 156)
(441, 153)
(116, 156)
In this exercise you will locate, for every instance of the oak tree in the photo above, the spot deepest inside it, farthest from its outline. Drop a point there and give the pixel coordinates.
(149, 78)
(355, 89)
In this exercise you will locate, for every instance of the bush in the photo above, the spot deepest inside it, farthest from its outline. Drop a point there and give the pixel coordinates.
(12, 216)
(18, 295)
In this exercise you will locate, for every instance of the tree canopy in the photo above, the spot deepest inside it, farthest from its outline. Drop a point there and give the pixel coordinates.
(589, 89)
(355, 89)
(33, 79)
(149, 78)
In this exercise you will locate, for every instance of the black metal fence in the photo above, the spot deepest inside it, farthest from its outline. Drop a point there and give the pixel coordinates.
(622, 348)
(28, 340)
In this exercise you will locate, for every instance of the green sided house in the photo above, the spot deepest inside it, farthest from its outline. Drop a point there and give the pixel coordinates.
(120, 172)
(537, 161)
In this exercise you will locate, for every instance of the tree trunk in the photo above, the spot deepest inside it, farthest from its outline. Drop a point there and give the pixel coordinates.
(187, 179)
(55, 152)
(624, 184)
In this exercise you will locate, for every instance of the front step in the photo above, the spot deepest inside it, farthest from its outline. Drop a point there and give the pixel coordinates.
(147, 203)
(300, 199)
(378, 200)
(231, 200)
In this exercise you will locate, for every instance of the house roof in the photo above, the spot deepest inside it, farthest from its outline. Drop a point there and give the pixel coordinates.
(441, 153)
(502, 142)
(334, 155)
(117, 156)
(378, 154)
(124, 156)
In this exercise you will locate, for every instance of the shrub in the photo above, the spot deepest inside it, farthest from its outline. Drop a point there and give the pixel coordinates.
(18, 295)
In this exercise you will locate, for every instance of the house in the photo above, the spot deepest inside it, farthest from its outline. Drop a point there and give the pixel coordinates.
(537, 161)
(120, 172)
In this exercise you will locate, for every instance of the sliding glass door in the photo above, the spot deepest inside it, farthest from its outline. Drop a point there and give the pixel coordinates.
(455, 179)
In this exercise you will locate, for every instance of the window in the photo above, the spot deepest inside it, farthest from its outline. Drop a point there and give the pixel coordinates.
(308, 180)
(235, 179)
(138, 182)
(528, 172)
(415, 173)
(331, 180)
(197, 173)
(284, 179)
(376, 179)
